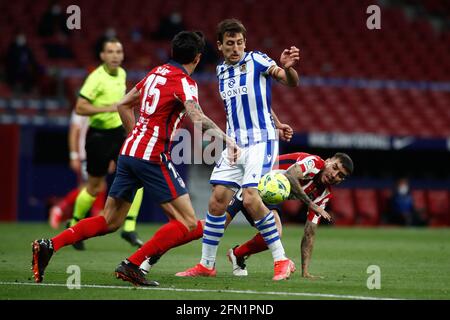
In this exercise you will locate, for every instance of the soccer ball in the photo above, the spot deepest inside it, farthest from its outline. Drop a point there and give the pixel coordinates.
(274, 187)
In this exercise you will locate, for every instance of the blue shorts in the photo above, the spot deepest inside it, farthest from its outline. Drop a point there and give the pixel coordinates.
(237, 205)
(161, 180)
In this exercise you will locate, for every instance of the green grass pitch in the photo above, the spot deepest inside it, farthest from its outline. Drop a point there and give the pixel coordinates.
(414, 264)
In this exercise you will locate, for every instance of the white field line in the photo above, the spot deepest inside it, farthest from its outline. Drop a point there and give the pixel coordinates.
(274, 293)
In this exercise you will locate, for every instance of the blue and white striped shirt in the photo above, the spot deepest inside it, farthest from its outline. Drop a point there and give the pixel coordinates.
(245, 89)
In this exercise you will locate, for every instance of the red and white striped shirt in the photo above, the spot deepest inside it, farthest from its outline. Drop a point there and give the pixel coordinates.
(161, 113)
(310, 165)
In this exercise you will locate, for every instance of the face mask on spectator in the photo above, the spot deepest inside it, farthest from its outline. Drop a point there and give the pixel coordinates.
(403, 189)
(21, 40)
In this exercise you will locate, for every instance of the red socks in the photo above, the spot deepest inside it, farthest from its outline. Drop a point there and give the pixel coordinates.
(98, 204)
(191, 236)
(252, 246)
(86, 228)
(170, 235)
(68, 200)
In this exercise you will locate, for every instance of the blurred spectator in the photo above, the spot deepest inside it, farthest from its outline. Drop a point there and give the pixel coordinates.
(136, 34)
(21, 66)
(52, 21)
(209, 58)
(402, 210)
(110, 33)
(58, 47)
(169, 26)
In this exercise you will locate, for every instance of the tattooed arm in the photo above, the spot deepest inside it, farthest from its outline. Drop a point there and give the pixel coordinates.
(195, 113)
(307, 248)
(294, 175)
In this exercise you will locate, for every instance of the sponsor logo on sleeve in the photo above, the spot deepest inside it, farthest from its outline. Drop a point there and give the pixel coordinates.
(310, 164)
(194, 90)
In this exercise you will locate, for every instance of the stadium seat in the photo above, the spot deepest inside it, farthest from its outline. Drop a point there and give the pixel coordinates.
(420, 201)
(366, 205)
(341, 48)
(438, 208)
(291, 209)
(342, 207)
(384, 197)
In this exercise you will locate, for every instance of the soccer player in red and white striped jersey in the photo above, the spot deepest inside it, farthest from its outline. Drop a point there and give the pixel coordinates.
(310, 165)
(165, 95)
(310, 177)
(160, 113)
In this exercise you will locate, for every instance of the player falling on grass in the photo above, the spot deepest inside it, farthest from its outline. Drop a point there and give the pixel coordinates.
(165, 95)
(310, 177)
(245, 88)
(98, 96)
(63, 209)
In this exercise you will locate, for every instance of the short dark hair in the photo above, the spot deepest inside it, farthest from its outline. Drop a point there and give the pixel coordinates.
(109, 40)
(186, 45)
(232, 26)
(346, 161)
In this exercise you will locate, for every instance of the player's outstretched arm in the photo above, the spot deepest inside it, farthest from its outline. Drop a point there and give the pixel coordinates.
(287, 75)
(307, 248)
(126, 109)
(84, 108)
(294, 174)
(195, 113)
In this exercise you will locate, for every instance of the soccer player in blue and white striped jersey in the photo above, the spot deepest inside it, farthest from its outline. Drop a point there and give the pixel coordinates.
(245, 88)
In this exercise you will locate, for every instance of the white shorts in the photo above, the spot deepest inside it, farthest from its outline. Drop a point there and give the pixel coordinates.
(255, 161)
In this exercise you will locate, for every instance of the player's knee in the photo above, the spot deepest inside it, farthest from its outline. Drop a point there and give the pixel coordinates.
(95, 185)
(113, 224)
(112, 221)
(217, 206)
(247, 203)
(94, 190)
(250, 200)
(114, 227)
(191, 224)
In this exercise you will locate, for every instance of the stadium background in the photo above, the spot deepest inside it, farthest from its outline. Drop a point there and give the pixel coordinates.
(382, 96)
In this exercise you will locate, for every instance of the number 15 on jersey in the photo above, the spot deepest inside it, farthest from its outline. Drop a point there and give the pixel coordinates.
(152, 93)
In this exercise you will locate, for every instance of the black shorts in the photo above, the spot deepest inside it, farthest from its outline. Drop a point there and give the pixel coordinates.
(236, 205)
(102, 146)
(161, 180)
